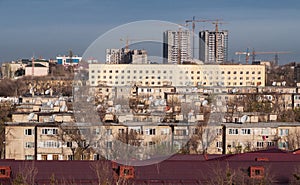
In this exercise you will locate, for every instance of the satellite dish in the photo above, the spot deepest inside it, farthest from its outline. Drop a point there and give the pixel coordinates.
(283, 83)
(244, 118)
(52, 118)
(62, 108)
(234, 90)
(30, 116)
(47, 91)
(56, 103)
(162, 102)
(118, 107)
(274, 84)
(205, 102)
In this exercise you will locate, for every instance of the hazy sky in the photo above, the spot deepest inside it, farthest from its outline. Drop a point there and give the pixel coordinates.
(51, 27)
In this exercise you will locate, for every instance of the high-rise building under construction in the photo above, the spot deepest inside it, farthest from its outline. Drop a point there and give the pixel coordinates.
(213, 46)
(176, 46)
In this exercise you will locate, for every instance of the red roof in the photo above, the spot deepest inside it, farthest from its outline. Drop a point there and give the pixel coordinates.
(178, 169)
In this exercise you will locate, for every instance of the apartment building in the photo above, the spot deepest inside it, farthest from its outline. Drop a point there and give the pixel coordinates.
(177, 75)
(176, 46)
(126, 56)
(213, 46)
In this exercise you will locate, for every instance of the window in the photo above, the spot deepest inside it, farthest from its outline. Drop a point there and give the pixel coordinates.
(108, 132)
(109, 144)
(260, 144)
(29, 157)
(233, 131)
(49, 131)
(246, 131)
(219, 131)
(283, 132)
(96, 157)
(164, 131)
(150, 131)
(181, 132)
(96, 131)
(44, 157)
(55, 157)
(151, 143)
(271, 143)
(219, 144)
(28, 132)
(257, 172)
(121, 130)
(29, 145)
(50, 144)
(283, 145)
(69, 144)
(70, 157)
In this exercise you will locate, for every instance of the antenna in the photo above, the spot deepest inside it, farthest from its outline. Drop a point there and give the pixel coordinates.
(244, 118)
(30, 116)
(47, 91)
(205, 102)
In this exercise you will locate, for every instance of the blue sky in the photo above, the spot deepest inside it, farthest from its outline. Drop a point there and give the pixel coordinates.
(51, 27)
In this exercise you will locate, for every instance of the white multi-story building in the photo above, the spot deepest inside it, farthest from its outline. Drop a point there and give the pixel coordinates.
(177, 46)
(213, 47)
(126, 56)
(177, 75)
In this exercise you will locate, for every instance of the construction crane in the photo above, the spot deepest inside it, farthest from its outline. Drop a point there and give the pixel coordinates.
(254, 53)
(128, 40)
(193, 21)
(246, 53)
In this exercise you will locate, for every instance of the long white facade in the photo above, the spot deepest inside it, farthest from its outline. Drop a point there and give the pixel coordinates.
(207, 75)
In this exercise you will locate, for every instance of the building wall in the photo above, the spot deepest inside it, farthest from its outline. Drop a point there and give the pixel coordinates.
(178, 75)
(66, 60)
(208, 51)
(38, 71)
(175, 41)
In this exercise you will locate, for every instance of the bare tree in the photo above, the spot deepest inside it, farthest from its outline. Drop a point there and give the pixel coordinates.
(201, 139)
(26, 174)
(6, 108)
(103, 171)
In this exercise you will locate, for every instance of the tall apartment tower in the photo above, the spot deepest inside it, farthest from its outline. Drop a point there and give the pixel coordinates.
(213, 47)
(176, 46)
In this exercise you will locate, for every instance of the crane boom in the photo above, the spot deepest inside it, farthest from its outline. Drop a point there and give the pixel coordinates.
(193, 21)
(254, 53)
